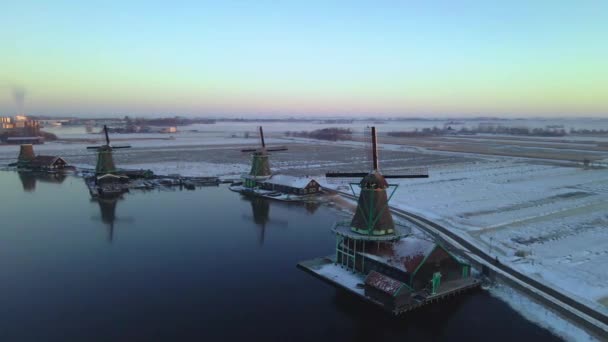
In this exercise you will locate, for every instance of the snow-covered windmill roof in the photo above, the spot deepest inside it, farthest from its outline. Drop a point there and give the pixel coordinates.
(291, 181)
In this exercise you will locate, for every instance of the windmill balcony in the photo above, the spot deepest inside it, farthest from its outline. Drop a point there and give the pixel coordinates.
(344, 228)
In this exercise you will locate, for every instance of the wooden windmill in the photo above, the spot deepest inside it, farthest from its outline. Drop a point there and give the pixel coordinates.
(26, 154)
(105, 161)
(373, 217)
(260, 166)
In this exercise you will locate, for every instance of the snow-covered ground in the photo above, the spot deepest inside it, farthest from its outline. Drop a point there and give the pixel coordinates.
(546, 220)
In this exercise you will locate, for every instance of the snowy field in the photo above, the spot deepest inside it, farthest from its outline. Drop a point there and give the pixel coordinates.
(549, 221)
(546, 218)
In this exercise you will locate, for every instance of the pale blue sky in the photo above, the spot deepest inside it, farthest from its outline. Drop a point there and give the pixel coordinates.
(306, 57)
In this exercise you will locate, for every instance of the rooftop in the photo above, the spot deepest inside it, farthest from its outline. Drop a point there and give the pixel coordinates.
(44, 160)
(294, 182)
(383, 283)
(406, 254)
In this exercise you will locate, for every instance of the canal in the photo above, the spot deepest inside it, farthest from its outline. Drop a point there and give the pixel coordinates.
(195, 265)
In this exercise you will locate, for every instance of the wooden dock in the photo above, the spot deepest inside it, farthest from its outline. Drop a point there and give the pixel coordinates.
(326, 270)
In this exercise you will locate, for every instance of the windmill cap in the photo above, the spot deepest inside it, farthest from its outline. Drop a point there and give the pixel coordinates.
(374, 180)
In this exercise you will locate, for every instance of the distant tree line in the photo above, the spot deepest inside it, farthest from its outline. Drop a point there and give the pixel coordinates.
(425, 132)
(482, 128)
(331, 134)
(589, 131)
(516, 130)
(173, 121)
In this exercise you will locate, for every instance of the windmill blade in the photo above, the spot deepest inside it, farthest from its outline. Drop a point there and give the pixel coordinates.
(270, 222)
(278, 148)
(411, 173)
(374, 150)
(93, 147)
(121, 146)
(346, 174)
(262, 137)
(105, 130)
(250, 150)
(406, 176)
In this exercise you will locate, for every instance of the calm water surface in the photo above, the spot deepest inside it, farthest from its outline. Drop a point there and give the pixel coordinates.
(194, 265)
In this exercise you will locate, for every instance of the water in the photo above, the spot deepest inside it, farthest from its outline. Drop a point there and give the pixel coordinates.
(206, 264)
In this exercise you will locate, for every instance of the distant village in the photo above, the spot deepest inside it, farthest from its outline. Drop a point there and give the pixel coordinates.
(20, 130)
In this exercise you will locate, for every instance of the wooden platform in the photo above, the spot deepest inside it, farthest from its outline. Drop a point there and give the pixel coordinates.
(325, 269)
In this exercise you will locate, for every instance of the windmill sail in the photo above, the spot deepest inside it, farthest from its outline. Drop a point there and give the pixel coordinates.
(405, 173)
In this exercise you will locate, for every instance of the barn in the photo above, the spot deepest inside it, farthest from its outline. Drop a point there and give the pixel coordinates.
(417, 262)
(47, 163)
(291, 185)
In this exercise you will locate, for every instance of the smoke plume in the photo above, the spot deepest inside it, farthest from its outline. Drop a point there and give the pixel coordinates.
(19, 97)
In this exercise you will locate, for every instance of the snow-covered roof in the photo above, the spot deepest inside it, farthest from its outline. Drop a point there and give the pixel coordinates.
(110, 175)
(294, 182)
(45, 160)
(406, 254)
(383, 283)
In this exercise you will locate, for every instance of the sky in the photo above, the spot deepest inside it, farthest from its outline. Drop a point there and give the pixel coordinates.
(304, 58)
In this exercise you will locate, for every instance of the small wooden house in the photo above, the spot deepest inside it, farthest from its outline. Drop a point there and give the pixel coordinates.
(291, 185)
(47, 163)
(413, 261)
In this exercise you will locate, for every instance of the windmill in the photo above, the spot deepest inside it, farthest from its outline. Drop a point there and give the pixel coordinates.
(26, 154)
(105, 161)
(260, 166)
(372, 220)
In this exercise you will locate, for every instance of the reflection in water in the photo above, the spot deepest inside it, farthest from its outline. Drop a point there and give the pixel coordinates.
(311, 207)
(138, 279)
(260, 209)
(107, 207)
(29, 179)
